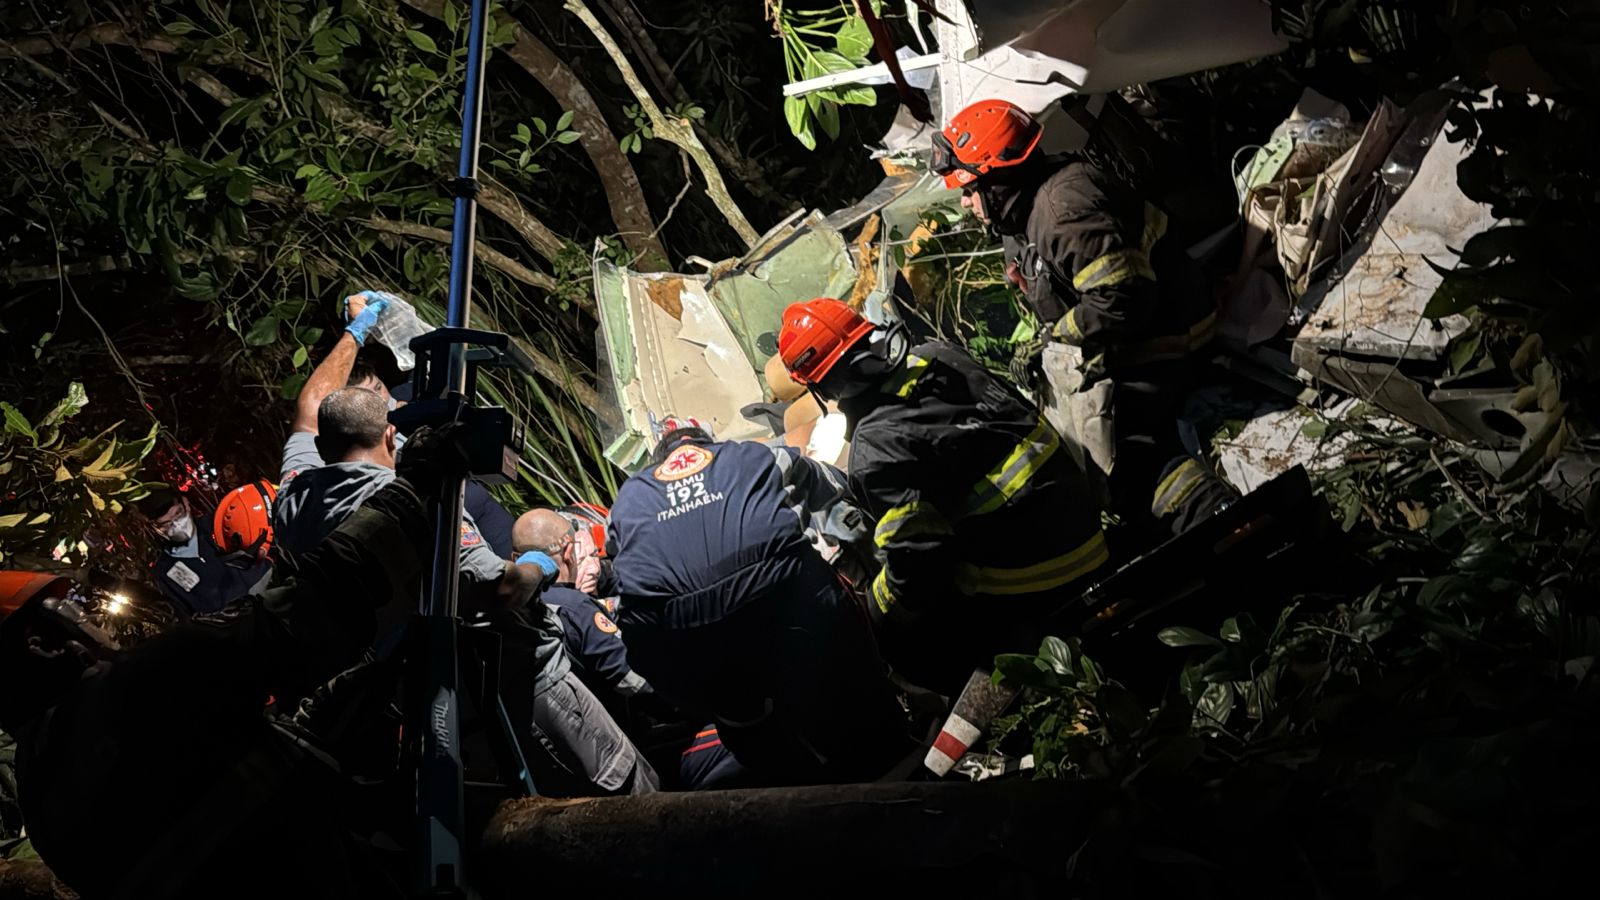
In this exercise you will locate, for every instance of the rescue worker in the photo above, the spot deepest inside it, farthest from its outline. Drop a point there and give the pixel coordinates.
(590, 635)
(537, 680)
(730, 613)
(190, 570)
(242, 528)
(984, 523)
(353, 363)
(138, 779)
(1086, 247)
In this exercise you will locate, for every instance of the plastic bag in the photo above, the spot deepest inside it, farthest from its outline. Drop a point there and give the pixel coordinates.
(396, 326)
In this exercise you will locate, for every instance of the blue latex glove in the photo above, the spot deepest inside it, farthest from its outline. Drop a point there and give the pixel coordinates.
(377, 302)
(542, 560)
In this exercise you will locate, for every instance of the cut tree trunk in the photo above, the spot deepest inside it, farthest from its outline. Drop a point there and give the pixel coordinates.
(1002, 839)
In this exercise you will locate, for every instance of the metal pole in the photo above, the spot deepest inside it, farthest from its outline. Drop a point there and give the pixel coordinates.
(440, 820)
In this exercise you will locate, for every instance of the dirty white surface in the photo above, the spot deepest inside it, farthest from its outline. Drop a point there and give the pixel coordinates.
(1273, 443)
(687, 367)
(1376, 307)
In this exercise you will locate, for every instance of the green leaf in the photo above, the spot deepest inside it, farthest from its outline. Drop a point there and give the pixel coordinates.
(262, 332)
(239, 186)
(567, 137)
(854, 39)
(1230, 631)
(539, 123)
(564, 121)
(828, 116)
(452, 15)
(1057, 654)
(307, 170)
(16, 422)
(290, 389)
(12, 520)
(421, 41)
(524, 135)
(319, 20)
(824, 62)
(798, 116)
(1186, 637)
(300, 356)
(75, 400)
(178, 28)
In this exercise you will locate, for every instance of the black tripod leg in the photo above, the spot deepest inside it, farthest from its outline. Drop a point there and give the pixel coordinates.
(508, 755)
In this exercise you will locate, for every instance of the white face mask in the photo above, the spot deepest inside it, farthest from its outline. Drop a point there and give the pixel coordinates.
(180, 531)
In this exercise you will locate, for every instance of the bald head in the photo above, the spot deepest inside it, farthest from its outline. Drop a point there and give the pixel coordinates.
(540, 529)
(353, 425)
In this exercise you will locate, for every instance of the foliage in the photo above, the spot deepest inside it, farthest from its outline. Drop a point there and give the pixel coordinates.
(817, 43)
(63, 488)
(1531, 154)
(1432, 733)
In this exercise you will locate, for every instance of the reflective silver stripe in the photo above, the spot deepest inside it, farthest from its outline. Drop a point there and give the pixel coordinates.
(631, 684)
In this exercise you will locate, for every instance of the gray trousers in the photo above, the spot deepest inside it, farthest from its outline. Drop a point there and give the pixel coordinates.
(586, 741)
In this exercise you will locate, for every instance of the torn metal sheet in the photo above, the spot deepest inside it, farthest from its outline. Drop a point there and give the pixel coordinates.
(1372, 303)
(696, 345)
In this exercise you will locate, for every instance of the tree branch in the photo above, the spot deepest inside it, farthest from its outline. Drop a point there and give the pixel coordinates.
(630, 211)
(677, 131)
(18, 274)
(486, 254)
(749, 173)
(12, 50)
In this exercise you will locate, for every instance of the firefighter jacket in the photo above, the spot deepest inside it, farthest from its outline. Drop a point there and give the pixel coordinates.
(973, 494)
(716, 526)
(1099, 275)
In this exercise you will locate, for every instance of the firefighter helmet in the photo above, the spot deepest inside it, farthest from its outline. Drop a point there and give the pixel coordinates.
(987, 135)
(242, 526)
(816, 334)
(17, 588)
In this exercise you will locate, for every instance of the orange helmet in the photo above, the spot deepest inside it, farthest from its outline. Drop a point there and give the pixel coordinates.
(17, 588)
(816, 334)
(242, 526)
(989, 134)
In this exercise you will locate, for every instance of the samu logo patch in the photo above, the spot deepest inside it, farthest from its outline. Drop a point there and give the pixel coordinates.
(690, 459)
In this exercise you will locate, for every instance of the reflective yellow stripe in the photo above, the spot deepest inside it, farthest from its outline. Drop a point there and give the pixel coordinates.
(1005, 480)
(1176, 488)
(909, 520)
(1120, 265)
(903, 384)
(1067, 329)
(1170, 346)
(881, 594)
(1050, 574)
(1155, 225)
(1113, 268)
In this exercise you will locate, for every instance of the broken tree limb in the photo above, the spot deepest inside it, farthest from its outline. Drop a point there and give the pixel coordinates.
(13, 51)
(486, 254)
(630, 210)
(995, 839)
(747, 171)
(676, 131)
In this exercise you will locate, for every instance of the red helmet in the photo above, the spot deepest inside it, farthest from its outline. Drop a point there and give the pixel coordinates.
(242, 526)
(816, 334)
(592, 517)
(989, 134)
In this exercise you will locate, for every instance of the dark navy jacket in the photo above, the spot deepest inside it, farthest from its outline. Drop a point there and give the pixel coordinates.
(713, 527)
(594, 642)
(201, 582)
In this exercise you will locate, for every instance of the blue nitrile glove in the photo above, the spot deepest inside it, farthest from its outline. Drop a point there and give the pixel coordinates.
(542, 560)
(377, 302)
